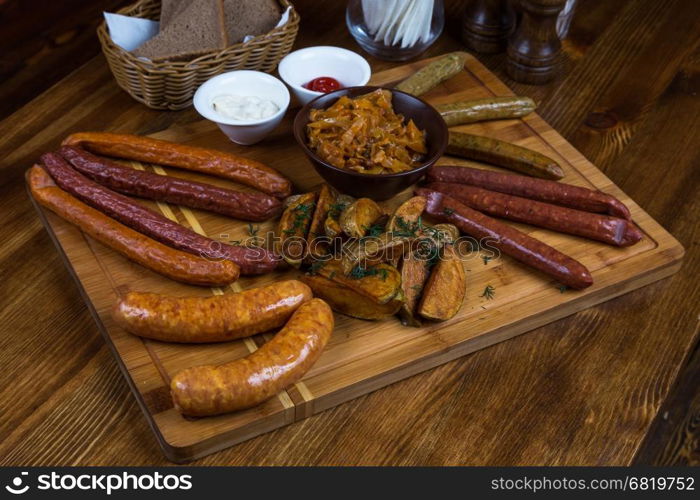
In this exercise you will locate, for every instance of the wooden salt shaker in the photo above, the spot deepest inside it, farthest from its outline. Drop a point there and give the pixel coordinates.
(487, 24)
(533, 50)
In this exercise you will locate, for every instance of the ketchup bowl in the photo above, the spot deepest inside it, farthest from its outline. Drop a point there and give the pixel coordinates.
(300, 68)
(376, 186)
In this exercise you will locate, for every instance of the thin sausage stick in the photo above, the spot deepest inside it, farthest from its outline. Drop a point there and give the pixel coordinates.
(127, 211)
(504, 154)
(544, 190)
(237, 204)
(174, 264)
(610, 230)
(508, 240)
(140, 148)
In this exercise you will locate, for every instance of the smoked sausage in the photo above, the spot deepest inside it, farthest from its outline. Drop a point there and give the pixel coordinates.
(254, 207)
(140, 148)
(548, 191)
(610, 230)
(251, 260)
(247, 382)
(433, 74)
(219, 318)
(503, 154)
(508, 240)
(489, 108)
(174, 264)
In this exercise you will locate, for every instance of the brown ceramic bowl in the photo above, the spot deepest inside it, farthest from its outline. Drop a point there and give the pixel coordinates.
(376, 186)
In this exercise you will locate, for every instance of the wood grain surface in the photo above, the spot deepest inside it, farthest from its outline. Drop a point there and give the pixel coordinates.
(615, 384)
(362, 356)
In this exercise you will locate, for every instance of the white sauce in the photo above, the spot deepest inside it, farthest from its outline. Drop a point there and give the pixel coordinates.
(239, 107)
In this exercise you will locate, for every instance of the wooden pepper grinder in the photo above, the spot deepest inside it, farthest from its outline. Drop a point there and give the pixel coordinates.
(487, 24)
(533, 50)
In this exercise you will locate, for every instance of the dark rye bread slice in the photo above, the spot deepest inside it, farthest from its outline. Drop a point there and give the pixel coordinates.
(250, 17)
(195, 30)
(169, 9)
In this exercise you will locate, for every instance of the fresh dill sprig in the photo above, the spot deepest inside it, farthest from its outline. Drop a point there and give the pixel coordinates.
(335, 209)
(489, 292)
(316, 266)
(406, 229)
(373, 231)
(302, 213)
(358, 272)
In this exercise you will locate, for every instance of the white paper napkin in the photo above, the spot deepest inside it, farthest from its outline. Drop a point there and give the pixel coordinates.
(130, 32)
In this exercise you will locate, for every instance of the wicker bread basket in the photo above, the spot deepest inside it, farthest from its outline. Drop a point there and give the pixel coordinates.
(170, 85)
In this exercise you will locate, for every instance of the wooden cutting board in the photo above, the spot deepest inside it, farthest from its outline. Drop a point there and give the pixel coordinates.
(362, 356)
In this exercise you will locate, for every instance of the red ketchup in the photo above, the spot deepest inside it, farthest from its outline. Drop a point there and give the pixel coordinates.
(323, 84)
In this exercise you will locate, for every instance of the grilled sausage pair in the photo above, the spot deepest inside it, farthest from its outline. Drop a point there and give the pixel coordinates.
(246, 382)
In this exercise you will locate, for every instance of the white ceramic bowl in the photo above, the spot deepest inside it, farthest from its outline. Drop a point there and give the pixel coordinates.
(242, 83)
(302, 66)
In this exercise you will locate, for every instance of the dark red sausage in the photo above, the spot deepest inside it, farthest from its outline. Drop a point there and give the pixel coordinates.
(128, 212)
(237, 204)
(529, 187)
(508, 240)
(611, 230)
(147, 149)
(174, 264)
(632, 235)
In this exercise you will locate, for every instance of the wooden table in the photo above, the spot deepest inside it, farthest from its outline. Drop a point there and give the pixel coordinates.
(615, 384)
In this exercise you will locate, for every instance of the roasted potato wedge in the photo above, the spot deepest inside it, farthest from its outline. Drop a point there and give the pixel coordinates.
(350, 302)
(391, 246)
(332, 222)
(450, 232)
(431, 239)
(444, 291)
(379, 283)
(291, 200)
(326, 199)
(406, 223)
(294, 227)
(371, 251)
(356, 219)
(414, 274)
(406, 216)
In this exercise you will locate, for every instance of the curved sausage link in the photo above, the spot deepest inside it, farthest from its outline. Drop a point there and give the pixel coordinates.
(247, 382)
